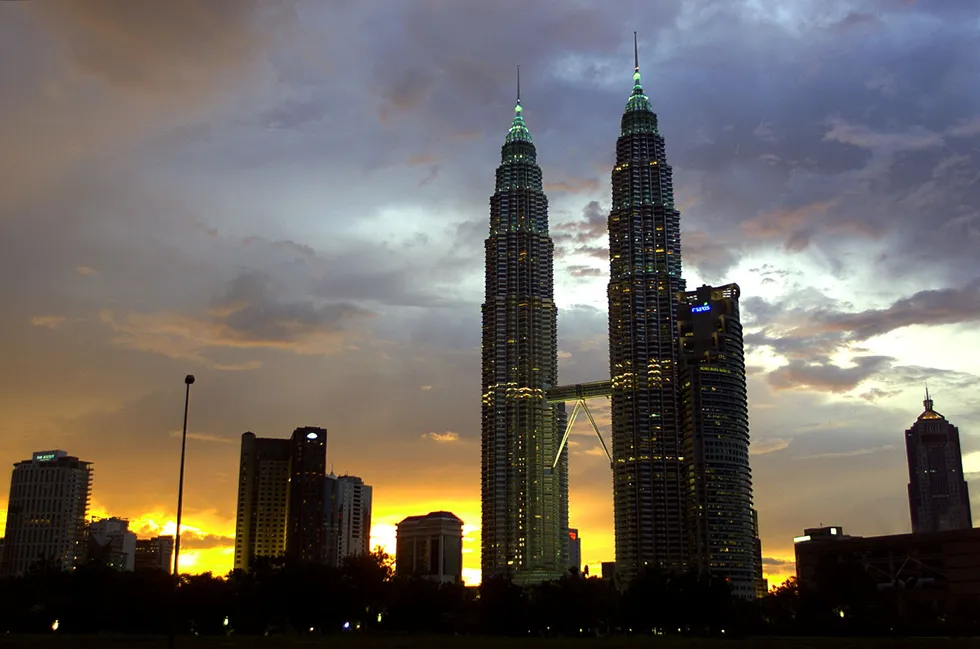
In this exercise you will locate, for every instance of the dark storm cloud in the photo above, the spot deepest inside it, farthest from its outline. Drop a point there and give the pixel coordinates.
(815, 327)
(932, 307)
(593, 227)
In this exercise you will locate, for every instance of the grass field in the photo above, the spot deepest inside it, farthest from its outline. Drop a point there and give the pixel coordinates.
(447, 642)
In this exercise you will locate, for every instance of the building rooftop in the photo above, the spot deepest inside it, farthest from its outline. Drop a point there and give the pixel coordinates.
(434, 516)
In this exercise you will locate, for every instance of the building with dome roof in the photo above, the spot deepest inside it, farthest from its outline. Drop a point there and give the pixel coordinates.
(939, 500)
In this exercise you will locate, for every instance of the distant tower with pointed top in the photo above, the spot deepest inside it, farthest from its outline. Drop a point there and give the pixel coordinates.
(524, 500)
(644, 277)
(939, 499)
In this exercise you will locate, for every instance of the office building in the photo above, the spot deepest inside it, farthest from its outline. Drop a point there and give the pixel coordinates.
(938, 496)
(608, 571)
(574, 550)
(761, 583)
(347, 517)
(430, 547)
(110, 543)
(263, 486)
(524, 499)
(938, 571)
(46, 512)
(156, 553)
(644, 277)
(721, 531)
(306, 514)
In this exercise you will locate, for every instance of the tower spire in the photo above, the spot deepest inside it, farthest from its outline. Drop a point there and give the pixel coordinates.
(518, 88)
(518, 129)
(638, 101)
(636, 55)
(928, 401)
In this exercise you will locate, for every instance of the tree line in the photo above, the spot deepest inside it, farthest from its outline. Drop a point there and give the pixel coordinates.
(363, 596)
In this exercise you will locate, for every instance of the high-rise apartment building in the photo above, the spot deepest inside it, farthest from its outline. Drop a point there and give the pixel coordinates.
(156, 553)
(263, 487)
(939, 500)
(644, 277)
(430, 547)
(111, 544)
(524, 499)
(347, 516)
(281, 491)
(715, 433)
(306, 514)
(46, 512)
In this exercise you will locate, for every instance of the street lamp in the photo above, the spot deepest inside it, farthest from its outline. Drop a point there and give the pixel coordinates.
(188, 381)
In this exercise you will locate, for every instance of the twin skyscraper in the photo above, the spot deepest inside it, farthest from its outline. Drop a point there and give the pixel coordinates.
(682, 488)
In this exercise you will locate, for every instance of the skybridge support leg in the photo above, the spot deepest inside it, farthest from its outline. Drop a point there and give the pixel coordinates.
(580, 405)
(568, 429)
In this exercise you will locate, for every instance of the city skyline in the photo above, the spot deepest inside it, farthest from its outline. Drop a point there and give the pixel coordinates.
(218, 208)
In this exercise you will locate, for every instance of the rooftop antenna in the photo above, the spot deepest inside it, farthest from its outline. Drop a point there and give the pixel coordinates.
(928, 402)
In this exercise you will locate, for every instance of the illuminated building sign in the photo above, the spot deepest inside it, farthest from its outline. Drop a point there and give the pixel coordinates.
(572, 535)
(44, 457)
(311, 435)
(701, 309)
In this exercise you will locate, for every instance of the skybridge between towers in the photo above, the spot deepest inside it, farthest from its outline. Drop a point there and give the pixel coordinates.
(579, 393)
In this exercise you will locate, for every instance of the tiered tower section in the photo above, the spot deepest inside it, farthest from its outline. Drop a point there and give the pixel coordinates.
(525, 500)
(645, 276)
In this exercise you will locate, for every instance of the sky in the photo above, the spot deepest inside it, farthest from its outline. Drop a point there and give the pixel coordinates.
(289, 200)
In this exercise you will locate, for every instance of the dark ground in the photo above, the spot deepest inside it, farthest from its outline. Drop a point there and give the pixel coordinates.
(448, 642)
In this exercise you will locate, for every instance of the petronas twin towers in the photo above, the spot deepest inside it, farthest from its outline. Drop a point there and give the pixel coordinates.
(524, 458)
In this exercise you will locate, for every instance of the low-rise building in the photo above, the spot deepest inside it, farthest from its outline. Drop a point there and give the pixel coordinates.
(430, 547)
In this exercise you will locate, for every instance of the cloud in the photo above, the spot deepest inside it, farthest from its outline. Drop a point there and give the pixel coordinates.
(928, 307)
(442, 438)
(770, 445)
(841, 454)
(573, 185)
(578, 270)
(248, 316)
(48, 321)
(824, 376)
(595, 226)
(861, 136)
(171, 49)
(774, 561)
(204, 437)
(197, 541)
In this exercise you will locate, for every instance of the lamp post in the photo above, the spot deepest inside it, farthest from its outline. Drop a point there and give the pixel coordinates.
(188, 381)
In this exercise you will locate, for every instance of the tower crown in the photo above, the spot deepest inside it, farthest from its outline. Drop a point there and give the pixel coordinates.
(638, 101)
(929, 412)
(518, 129)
